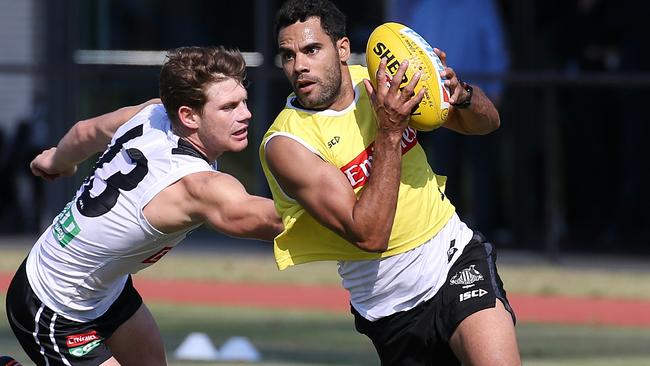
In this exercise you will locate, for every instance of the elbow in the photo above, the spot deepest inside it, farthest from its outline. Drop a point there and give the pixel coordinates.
(368, 235)
(373, 245)
(496, 122)
(370, 238)
(491, 124)
(82, 131)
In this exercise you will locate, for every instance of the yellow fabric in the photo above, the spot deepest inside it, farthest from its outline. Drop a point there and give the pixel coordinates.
(341, 138)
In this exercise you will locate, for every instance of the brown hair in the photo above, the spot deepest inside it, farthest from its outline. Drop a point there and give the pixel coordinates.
(188, 71)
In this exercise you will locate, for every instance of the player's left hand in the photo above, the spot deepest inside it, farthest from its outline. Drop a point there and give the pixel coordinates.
(392, 105)
(44, 166)
(458, 94)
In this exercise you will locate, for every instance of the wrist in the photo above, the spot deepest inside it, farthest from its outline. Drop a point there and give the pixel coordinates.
(386, 145)
(467, 101)
(62, 163)
(392, 137)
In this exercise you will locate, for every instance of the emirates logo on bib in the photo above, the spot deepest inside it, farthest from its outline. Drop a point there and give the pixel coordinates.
(358, 170)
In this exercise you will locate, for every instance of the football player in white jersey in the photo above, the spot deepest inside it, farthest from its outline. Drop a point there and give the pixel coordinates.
(72, 301)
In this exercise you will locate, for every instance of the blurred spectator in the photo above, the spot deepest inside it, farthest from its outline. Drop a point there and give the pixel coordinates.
(24, 191)
(472, 34)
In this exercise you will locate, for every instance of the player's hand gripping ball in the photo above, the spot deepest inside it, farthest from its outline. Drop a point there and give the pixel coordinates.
(397, 43)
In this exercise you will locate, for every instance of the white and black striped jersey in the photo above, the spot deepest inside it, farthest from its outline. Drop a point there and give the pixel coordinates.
(80, 263)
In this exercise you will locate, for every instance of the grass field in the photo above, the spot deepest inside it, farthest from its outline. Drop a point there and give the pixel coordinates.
(612, 281)
(314, 338)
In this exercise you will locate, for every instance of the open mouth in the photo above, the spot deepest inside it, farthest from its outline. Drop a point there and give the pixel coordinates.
(305, 85)
(241, 132)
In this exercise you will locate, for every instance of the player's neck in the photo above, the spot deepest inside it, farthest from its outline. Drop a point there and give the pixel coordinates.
(199, 147)
(346, 91)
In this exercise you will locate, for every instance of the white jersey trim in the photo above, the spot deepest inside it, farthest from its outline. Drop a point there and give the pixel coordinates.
(298, 140)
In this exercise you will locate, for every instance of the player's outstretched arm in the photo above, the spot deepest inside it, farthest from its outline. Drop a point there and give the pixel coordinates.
(223, 204)
(480, 117)
(83, 140)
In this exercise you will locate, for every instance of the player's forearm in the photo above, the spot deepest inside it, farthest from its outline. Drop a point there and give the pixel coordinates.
(269, 223)
(78, 144)
(268, 231)
(93, 135)
(259, 220)
(480, 118)
(374, 212)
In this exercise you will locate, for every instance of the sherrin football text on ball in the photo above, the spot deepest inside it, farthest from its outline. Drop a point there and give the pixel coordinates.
(397, 42)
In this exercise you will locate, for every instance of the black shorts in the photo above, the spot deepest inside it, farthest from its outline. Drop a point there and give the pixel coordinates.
(45, 334)
(420, 336)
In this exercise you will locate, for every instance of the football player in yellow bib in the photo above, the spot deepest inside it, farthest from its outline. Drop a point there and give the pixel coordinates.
(353, 185)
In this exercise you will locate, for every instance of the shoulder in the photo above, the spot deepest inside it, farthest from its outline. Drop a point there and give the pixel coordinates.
(358, 73)
(289, 120)
(150, 117)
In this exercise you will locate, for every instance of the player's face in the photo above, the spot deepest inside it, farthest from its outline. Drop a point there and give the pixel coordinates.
(225, 119)
(311, 63)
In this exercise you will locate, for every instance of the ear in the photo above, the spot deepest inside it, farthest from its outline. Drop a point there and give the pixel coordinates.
(343, 48)
(188, 117)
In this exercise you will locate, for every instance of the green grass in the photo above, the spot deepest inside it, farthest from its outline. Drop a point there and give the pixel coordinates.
(543, 279)
(583, 345)
(280, 336)
(314, 338)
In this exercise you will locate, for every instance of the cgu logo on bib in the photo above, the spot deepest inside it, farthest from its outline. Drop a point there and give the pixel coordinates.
(80, 345)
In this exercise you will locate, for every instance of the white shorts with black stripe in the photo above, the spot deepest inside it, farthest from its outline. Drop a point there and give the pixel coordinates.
(51, 339)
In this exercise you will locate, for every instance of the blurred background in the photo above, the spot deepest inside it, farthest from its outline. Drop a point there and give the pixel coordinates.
(560, 187)
(566, 173)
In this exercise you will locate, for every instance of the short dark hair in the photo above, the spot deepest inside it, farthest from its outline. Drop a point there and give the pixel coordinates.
(332, 20)
(187, 71)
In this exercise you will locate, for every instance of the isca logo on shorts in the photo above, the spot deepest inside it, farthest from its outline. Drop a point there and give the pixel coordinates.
(471, 294)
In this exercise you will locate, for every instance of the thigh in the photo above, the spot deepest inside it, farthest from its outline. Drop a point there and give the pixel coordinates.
(406, 338)
(138, 341)
(486, 338)
(473, 284)
(484, 331)
(50, 339)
